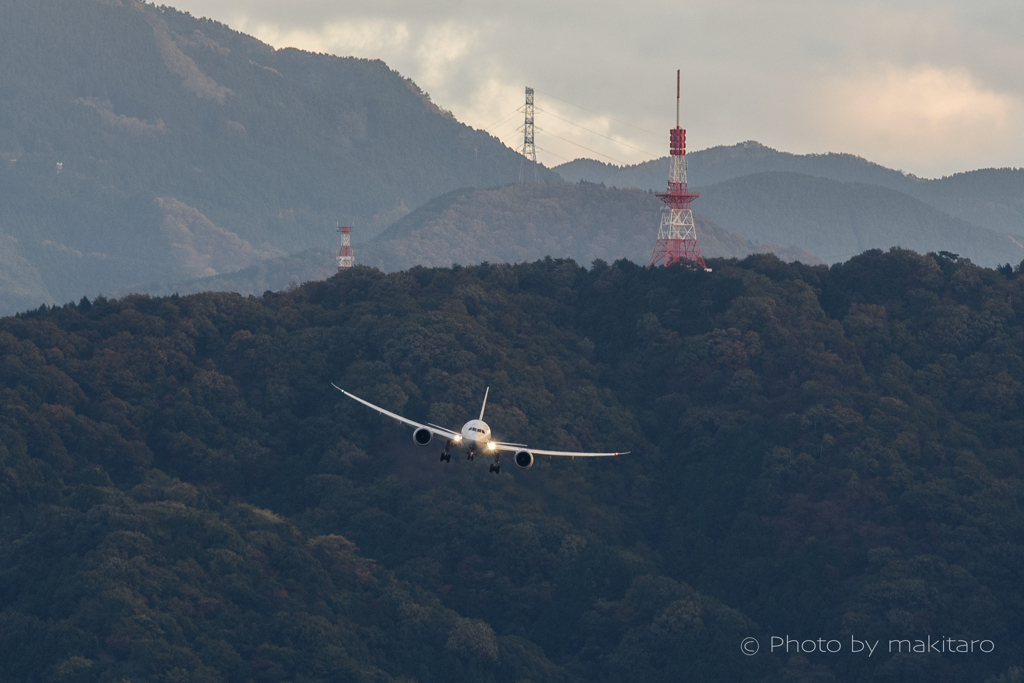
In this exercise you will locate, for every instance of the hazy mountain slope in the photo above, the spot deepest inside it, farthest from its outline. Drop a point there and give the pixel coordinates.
(593, 171)
(838, 220)
(524, 222)
(715, 164)
(266, 149)
(274, 274)
(510, 224)
(990, 198)
(19, 279)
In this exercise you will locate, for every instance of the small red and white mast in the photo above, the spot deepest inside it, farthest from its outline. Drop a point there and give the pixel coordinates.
(677, 237)
(345, 257)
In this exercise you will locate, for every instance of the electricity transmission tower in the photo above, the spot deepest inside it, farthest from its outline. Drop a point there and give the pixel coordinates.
(529, 149)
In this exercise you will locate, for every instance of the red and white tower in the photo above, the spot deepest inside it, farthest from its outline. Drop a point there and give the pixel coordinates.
(345, 257)
(677, 237)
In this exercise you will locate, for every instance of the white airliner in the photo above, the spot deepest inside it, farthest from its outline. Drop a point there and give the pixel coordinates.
(475, 438)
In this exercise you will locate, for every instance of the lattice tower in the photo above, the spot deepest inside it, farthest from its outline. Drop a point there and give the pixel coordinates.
(529, 148)
(346, 259)
(677, 236)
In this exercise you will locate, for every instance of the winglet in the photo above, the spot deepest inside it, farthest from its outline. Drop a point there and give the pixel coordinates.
(485, 403)
(337, 387)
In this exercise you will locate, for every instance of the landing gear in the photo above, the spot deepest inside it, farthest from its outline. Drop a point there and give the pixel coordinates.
(496, 468)
(471, 455)
(446, 455)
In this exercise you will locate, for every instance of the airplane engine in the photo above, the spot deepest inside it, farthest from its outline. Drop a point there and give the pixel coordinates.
(421, 436)
(523, 459)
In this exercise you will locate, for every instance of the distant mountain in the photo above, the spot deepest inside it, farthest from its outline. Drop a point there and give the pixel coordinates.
(838, 220)
(524, 222)
(990, 198)
(511, 224)
(716, 164)
(276, 274)
(20, 282)
(189, 149)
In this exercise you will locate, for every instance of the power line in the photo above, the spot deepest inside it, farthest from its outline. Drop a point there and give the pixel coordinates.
(512, 134)
(547, 151)
(594, 151)
(496, 131)
(503, 119)
(546, 94)
(625, 144)
(493, 130)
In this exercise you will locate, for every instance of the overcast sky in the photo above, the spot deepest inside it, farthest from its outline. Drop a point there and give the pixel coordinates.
(929, 87)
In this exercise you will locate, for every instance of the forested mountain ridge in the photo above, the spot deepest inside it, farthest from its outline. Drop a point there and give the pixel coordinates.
(991, 198)
(838, 220)
(582, 221)
(515, 223)
(815, 451)
(725, 162)
(188, 149)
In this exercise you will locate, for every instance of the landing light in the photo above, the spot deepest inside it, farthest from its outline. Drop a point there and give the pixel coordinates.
(458, 437)
(491, 445)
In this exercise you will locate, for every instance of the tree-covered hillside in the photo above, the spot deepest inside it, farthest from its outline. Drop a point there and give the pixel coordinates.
(725, 162)
(189, 149)
(816, 452)
(282, 272)
(991, 198)
(838, 220)
(582, 221)
(511, 224)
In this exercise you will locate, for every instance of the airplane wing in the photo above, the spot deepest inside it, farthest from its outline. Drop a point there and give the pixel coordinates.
(434, 429)
(512, 447)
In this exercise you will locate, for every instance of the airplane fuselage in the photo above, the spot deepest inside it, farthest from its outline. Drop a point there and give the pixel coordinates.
(475, 436)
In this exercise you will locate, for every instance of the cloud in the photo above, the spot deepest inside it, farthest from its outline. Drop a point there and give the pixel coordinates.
(794, 74)
(441, 48)
(358, 37)
(924, 112)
